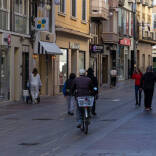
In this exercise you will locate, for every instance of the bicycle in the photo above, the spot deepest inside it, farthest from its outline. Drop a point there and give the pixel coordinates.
(85, 103)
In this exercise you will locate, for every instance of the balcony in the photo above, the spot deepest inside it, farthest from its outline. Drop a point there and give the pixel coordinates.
(99, 10)
(145, 2)
(110, 37)
(113, 4)
(121, 2)
(4, 20)
(139, 1)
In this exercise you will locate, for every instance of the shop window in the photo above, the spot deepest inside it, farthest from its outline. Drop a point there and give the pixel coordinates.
(84, 10)
(4, 74)
(63, 68)
(4, 15)
(21, 16)
(81, 60)
(73, 8)
(62, 6)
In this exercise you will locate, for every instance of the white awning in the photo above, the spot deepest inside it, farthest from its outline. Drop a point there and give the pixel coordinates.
(48, 48)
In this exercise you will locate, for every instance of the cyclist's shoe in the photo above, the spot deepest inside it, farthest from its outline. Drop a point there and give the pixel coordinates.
(93, 113)
(69, 113)
(79, 125)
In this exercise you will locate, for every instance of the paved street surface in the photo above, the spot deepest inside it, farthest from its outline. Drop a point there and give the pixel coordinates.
(119, 129)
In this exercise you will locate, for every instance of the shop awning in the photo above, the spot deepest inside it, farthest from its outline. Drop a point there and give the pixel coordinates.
(48, 48)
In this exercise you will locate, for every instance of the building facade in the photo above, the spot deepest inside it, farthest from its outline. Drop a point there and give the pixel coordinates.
(72, 37)
(146, 38)
(99, 55)
(15, 48)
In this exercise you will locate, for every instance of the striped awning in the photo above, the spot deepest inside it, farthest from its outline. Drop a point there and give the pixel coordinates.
(48, 48)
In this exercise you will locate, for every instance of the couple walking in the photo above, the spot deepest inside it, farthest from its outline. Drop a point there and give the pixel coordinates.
(146, 83)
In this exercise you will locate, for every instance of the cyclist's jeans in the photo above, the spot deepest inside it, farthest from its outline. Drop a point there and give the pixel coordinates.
(80, 112)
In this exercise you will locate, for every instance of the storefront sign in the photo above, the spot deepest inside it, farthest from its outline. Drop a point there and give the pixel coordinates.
(6, 39)
(96, 48)
(74, 46)
(125, 41)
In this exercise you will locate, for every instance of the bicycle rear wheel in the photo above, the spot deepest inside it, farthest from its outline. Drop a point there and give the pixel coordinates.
(86, 126)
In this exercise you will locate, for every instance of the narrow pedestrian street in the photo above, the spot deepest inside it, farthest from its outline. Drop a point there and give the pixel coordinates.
(119, 129)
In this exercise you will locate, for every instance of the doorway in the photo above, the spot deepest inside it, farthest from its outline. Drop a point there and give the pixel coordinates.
(25, 69)
(105, 70)
(16, 74)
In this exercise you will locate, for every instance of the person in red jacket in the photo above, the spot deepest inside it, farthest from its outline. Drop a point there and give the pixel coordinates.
(137, 75)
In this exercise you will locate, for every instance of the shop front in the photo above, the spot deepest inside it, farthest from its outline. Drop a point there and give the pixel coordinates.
(75, 56)
(45, 59)
(4, 73)
(124, 48)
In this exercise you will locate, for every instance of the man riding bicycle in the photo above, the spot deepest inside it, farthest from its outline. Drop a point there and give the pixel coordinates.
(82, 86)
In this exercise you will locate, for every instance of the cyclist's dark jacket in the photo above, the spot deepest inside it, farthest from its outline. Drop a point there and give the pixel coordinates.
(83, 86)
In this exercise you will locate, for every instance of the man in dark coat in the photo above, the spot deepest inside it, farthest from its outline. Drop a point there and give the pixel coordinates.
(147, 84)
(90, 74)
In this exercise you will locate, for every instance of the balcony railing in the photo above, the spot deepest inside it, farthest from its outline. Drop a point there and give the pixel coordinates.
(99, 9)
(21, 24)
(4, 20)
(110, 37)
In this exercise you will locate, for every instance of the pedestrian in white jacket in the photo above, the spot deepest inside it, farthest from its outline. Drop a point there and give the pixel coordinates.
(35, 84)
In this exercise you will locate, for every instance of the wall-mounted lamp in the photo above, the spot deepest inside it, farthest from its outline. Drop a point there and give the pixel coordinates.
(35, 56)
(53, 57)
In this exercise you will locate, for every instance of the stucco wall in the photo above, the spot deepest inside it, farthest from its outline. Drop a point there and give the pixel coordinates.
(66, 21)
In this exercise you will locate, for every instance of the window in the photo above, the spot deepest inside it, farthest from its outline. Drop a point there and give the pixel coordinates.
(81, 60)
(73, 8)
(154, 22)
(21, 16)
(84, 10)
(62, 6)
(63, 68)
(4, 4)
(4, 15)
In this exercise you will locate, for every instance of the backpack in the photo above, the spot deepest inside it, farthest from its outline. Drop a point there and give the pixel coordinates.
(67, 87)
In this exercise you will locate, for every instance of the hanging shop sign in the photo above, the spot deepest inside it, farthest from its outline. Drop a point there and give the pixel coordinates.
(125, 41)
(42, 24)
(96, 48)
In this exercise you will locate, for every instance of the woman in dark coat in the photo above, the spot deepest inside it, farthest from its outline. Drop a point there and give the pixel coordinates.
(147, 84)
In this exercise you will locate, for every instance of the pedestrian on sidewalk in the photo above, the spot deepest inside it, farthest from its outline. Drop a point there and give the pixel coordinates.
(35, 85)
(137, 75)
(147, 84)
(68, 93)
(90, 74)
(113, 75)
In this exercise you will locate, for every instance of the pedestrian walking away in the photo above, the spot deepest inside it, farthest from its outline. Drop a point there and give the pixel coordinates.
(137, 75)
(68, 94)
(147, 84)
(83, 87)
(35, 85)
(90, 74)
(113, 75)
